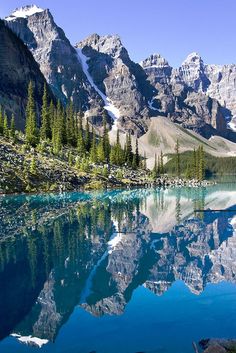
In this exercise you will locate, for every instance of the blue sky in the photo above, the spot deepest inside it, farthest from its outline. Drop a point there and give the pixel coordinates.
(173, 28)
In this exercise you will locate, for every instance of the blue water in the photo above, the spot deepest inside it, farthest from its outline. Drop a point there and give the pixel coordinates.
(122, 271)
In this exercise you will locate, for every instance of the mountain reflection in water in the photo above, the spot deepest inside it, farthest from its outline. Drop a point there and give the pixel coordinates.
(94, 250)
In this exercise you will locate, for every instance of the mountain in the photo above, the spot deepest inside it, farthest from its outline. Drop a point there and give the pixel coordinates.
(122, 81)
(98, 74)
(57, 58)
(17, 69)
(197, 96)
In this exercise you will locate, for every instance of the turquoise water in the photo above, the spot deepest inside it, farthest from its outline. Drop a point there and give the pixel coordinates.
(121, 271)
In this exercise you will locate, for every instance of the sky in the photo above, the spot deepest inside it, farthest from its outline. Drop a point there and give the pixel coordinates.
(173, 28)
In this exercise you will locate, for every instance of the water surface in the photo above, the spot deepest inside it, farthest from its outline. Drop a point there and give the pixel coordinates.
(121, 271)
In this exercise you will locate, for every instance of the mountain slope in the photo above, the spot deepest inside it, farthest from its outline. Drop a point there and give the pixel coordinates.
(163, 134)
(122, 81)
(57, 58)
(17, 68)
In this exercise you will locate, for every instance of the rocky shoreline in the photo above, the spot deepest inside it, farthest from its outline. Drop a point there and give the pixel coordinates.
(217, 346)
(53, 174)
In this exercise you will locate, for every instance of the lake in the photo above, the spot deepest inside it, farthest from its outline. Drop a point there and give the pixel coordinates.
(122, 271)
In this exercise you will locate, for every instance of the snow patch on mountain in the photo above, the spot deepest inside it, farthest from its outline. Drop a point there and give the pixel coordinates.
(30, 340)
(150, 104)
(109, 106)
(24, 12)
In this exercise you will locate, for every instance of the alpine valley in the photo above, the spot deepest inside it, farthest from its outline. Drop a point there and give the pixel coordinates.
(117, 190)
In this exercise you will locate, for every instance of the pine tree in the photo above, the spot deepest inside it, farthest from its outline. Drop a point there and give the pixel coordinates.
(106, 142)
(31, 131)
(5, 126)
(162, 163)
(93, 150)
(155, 169)
(45, 132)
(70, 125)
(113, 156)
(70, 159)
(58, 128)
(177, 159)
(118, 152)
(51, 114)
(145, 161)
(137, 154)
(201, 163)
(100, 151)
(33, 165)
(87, 140)
(12, 127)
(128, 150)
(194, 165)
(1, 121)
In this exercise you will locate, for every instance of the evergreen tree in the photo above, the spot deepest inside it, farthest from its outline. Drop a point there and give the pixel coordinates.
(201, 163)
(70, 125)
(5, 126)
(100, 151)
(128, 150)
(155, 169)
(70, 159)
(45, 128)
(33, 165)
(113, 156)
(12, 127)
(93, 150)
(144, 161)
(51, 114)
(177, 158)
(162, 163)
(158, 166)
(119, 155)
(106, 142)
(87, 140)
(137, 154)
(194, 165)
(31, 131)
(58, 122)
(1, 121)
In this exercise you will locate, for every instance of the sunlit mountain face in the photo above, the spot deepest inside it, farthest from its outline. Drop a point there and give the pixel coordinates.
(72, 265)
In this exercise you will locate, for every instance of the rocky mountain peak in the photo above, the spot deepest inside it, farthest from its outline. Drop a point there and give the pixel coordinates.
(154, 60)
(108, 44)
(24, 12)
(193, 58)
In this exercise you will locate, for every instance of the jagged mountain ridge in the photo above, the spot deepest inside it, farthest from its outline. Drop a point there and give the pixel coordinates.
(196, 95)
(100, 74)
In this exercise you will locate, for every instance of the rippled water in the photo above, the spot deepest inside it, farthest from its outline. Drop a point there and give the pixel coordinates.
(122, 271)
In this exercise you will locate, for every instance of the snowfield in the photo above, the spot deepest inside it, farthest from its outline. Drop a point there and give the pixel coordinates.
(111, 109)
(24, 12)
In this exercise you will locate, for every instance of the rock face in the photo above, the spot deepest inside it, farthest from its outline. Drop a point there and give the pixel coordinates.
(57, 58)
(198, 96)
(17, 68)
(123, 82)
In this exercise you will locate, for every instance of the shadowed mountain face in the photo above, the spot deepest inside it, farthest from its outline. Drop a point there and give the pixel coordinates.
(57, 252)
(17, 69)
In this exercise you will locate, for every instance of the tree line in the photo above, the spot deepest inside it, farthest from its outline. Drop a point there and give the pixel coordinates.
(64, 126)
